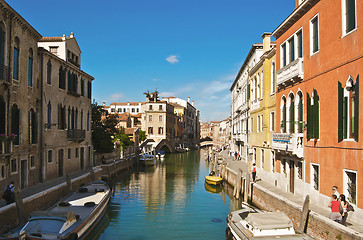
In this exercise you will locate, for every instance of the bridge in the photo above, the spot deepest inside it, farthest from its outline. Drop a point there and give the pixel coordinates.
(211, 143)
(150, 145)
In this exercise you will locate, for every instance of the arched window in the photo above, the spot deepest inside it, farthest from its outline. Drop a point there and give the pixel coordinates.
(81, 120)
(69, 118)
(2, 115)
(273, 77)
(32, 127)
(291, 113)
(49, 72)
(49, 115)
(150, 118)
(258, 96)
(2, 50)
(76, 119)
(72, 119)
(15, 122)
(30, 68)
(62, 78)
(160, 118)
(16, 58)
(283, 115)
(300, 112)
(88, 121)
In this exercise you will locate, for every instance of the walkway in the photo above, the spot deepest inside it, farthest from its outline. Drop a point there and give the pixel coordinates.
(296, 198)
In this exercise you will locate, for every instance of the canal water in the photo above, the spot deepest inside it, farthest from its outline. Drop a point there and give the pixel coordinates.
(168, 201)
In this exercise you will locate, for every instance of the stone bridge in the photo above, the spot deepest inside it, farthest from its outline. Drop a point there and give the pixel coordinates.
(211, 143)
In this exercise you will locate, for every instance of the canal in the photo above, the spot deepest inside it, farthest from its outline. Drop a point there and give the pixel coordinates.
(168, 201)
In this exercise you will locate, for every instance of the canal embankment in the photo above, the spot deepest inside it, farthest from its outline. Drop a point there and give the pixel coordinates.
(268, 197)
(43, 195)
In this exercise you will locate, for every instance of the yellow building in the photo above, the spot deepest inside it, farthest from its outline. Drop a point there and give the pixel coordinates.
(262, 80)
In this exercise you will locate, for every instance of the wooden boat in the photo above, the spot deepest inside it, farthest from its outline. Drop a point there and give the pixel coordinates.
(147, 159)
(213, 180)
(250, 223)
(71, 219)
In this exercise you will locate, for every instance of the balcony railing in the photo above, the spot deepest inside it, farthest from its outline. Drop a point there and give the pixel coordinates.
(6, 148)
(76, 135)
(293, 71)
(289, 143)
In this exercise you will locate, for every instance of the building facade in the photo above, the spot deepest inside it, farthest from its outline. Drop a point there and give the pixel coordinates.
(319, 59)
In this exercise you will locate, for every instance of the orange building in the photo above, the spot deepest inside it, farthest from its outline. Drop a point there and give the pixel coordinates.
(318, 141)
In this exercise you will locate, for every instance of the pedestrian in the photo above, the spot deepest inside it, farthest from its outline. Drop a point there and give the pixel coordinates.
(344, 205)
(239, 156)
(235, 155)
(9, 196)
(254, 171)
(335, 191)
(334, 205)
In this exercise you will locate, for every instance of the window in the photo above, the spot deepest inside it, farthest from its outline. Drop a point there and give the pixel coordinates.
(150, 130)
(112, 110)
(160, 107)
(30, 68)
(32, 127)
(262, 158)
(350, 185)
(62, 78)
(54, 50)
(261, 123)
(251, 130)
(315, 176)
(258, 123)
(77, 152)
(349, 15)
(348, 109)
(299, 36)
(13, 166)
(161, 130)
(283, 55)
(49, 115)
(2, 52)
(283, 115)
(49, 72)
(150, 107)
(88, 121)
(133, 110)
(61, 117)
(254, 155)
(82, 87)
(32, 161)
(273, 167)
(15, 122)
(72, 83)
(292, 48)
(314, 35)
(291, 114)
(150, 118)
(2, 172)
(273, 77)
(313, 113)
(50, 156)
(89, 90)
(137, 110)
(81, 120)
(300, 112)
(272, 121)
(160, 118)
(16, 59)
(299, 170)
(69, 153)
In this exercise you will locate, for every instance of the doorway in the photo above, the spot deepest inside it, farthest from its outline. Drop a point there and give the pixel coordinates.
(60, 162)
(24, 174)
(292, 176)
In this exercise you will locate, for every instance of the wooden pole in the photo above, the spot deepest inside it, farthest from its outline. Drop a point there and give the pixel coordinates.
(69, 183)
(247, 188)
(304, 215)
(92, 174)
(19, 206)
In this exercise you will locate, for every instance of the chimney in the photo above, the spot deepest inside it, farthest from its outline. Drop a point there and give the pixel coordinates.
(71, 35)
(64, 37)
(192, 103)
(189, 99)
(266, 38)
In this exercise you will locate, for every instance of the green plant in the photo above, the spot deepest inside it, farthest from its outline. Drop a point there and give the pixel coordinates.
(339, 236)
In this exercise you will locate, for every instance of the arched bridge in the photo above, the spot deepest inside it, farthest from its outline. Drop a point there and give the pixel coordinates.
(211, 143)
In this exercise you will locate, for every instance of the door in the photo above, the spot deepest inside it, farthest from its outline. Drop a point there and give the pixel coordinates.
(60, 162)
(292, 176)
(82, 158)
(24, 173)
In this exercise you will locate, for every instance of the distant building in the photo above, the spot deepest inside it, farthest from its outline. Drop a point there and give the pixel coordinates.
(132, 108)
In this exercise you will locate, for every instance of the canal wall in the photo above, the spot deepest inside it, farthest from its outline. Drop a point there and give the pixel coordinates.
(112, 169)
(318, 227)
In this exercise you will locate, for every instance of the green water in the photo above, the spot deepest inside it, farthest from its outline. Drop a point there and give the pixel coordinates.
(168, 201)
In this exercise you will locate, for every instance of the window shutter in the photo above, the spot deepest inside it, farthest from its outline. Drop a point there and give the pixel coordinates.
(284, 118)
(316, 115)
(248, 91)
(350, 10)
(292, 117)
(308, 116)
(345, 117)
(340, 112)
(356, 109)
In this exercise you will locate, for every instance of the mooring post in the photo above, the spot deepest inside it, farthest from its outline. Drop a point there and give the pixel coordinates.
(19, 206)
(69, 183)
(239, 179)
(304, 215)
(247, 188)
(92, 174)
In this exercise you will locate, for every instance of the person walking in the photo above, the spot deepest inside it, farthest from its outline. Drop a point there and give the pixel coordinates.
(9, 196)
(334, 205)
(344, 205)
(335, 191)
(254, 171)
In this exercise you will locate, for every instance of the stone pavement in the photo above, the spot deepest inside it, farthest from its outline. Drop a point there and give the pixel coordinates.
(32, 190)
(296, 198)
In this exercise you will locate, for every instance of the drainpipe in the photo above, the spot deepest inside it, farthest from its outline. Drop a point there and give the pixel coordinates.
(41, 147)
(9, 79)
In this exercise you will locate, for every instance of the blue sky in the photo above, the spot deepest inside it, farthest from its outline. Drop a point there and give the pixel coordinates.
(179, 47)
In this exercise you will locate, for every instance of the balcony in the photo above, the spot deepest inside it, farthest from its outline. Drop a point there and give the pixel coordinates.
(76, 135)
(289, 143)
(6, 148)
(290, 73)
(255, 104)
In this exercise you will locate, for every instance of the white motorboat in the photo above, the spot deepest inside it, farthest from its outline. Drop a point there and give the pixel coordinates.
(250, 223)
(147, 159)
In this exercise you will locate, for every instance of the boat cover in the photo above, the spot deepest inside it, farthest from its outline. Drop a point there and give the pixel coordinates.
(51, 214)
(269, 220)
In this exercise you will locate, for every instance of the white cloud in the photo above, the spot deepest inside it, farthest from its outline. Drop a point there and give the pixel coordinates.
(172, 59)
(116, 96)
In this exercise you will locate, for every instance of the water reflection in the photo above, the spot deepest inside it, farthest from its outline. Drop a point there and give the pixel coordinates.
(168, 201)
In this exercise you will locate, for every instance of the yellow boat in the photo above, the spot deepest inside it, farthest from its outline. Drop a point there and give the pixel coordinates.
(213, 180)
(213, 188)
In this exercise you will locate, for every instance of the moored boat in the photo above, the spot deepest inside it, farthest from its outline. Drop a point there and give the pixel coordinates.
(213, 180)
(147, 159)
(161, 155)
(213, 188)
(250, 223)
(71, 219)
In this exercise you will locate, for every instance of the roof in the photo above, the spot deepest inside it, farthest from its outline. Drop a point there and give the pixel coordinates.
(176, 105)
(123, 116)
(129, 131)
(126, 103)
(136, 115)
(51, 39)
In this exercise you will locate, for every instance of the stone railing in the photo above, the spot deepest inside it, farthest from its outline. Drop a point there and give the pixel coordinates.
(295, 70)
(292, 143)
(76, 134)
(6, 147)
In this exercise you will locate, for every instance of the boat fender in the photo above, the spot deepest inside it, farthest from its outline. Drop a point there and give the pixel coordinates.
(64, 204)
(99, 190)
(83, 190)
(89, 204)
(73, 236)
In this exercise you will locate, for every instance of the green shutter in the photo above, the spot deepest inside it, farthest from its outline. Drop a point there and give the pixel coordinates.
(350, 18)
(316, 115)
(345, 117)
(284, 117)
(248, 92)
(340, 111)
(308, 116)
(292, 117)
(356, 109)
